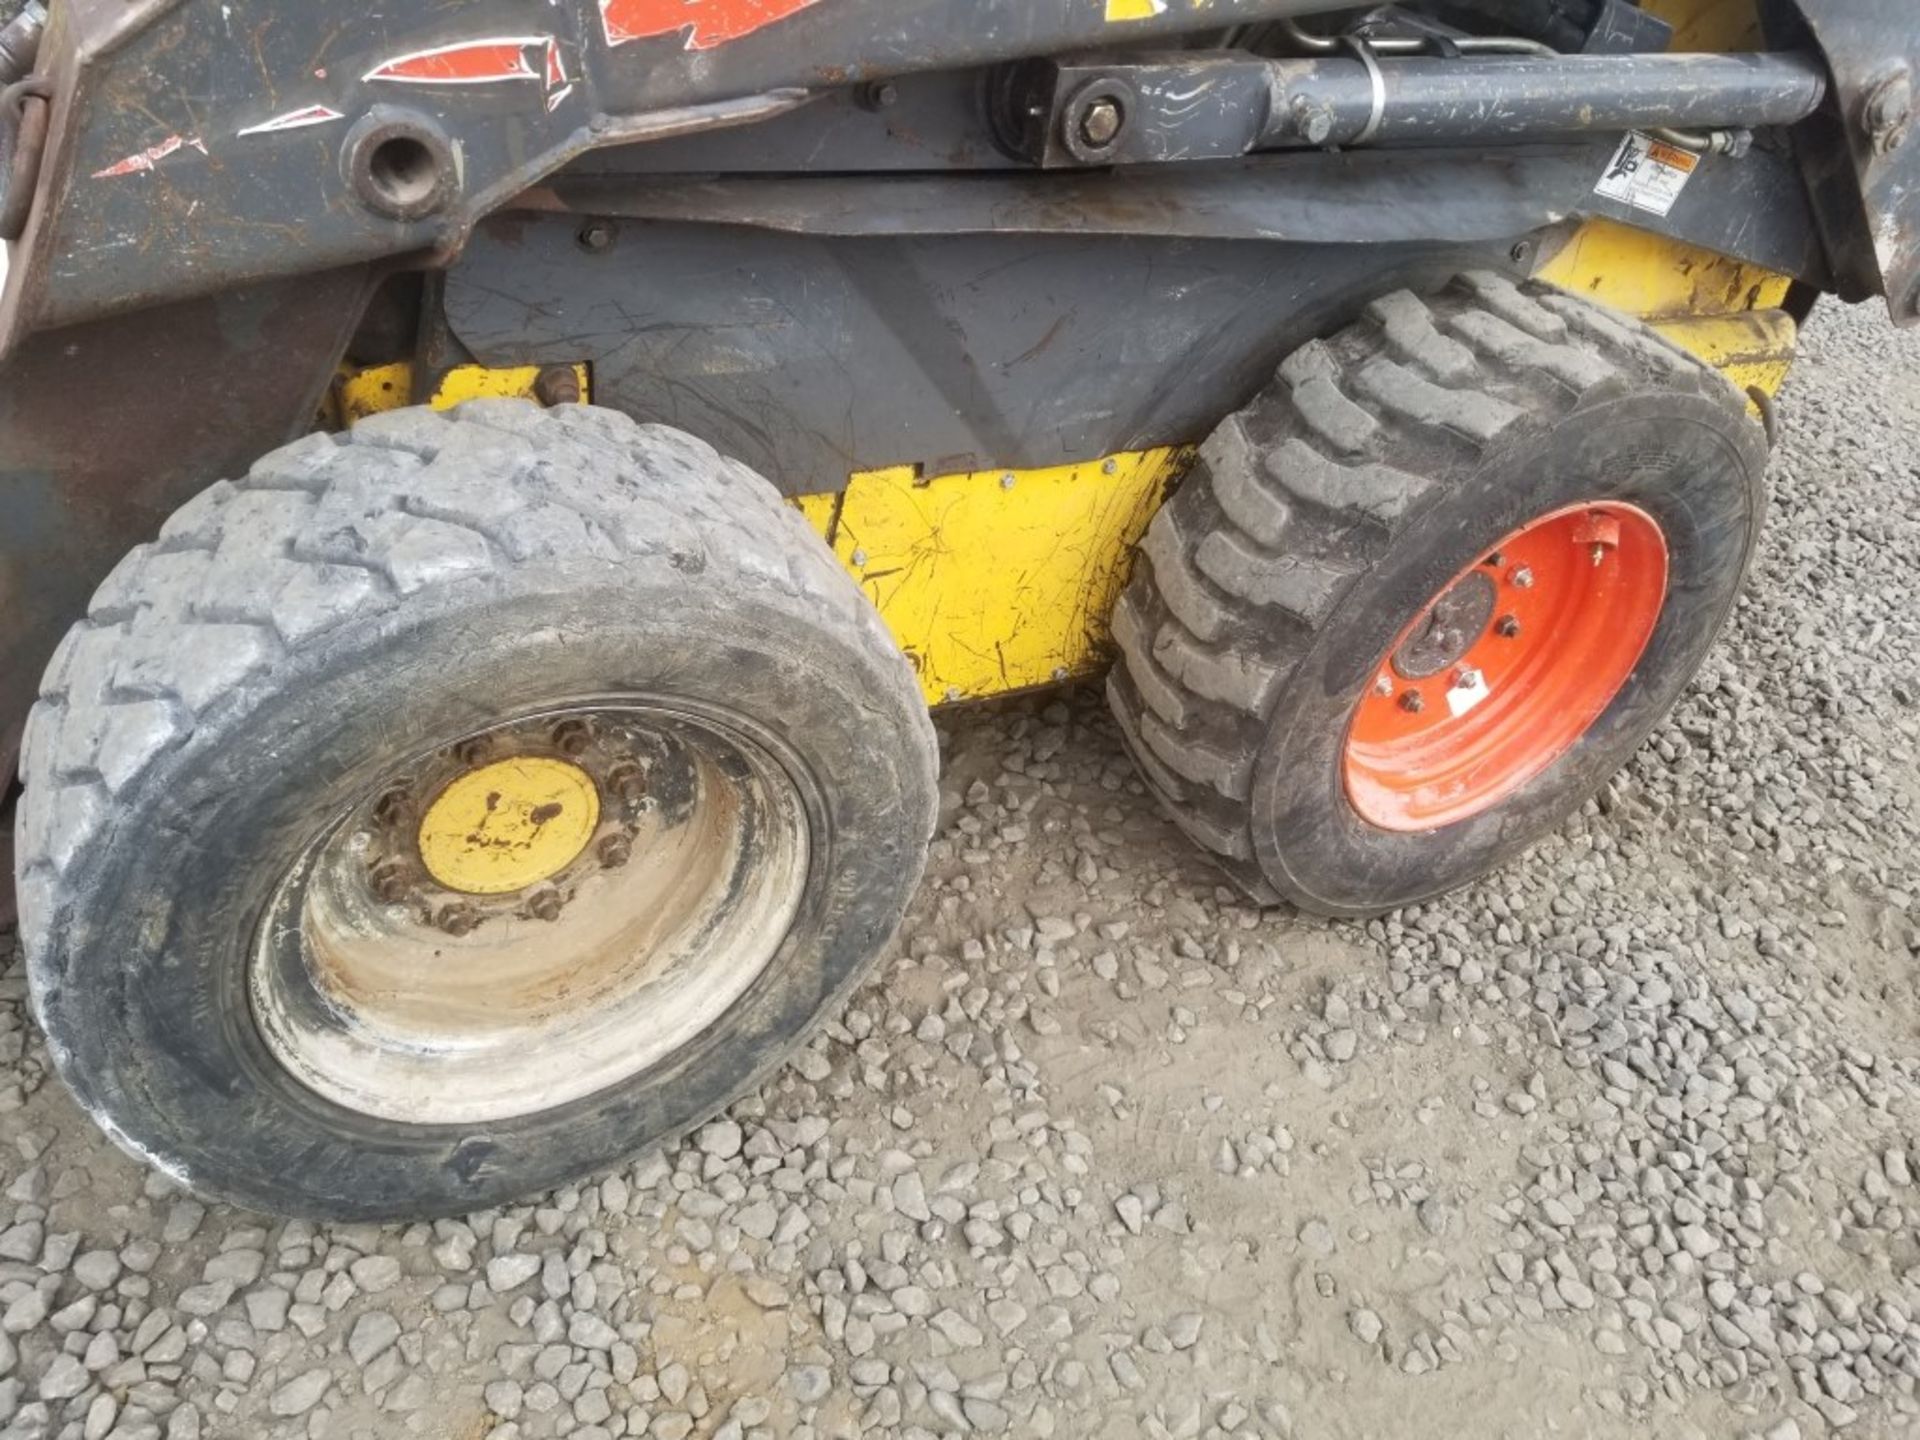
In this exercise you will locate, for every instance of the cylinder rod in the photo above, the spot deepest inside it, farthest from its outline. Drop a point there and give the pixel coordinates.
(1369, 99)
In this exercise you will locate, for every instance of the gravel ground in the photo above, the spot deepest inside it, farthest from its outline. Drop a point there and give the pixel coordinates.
(1621, 1142)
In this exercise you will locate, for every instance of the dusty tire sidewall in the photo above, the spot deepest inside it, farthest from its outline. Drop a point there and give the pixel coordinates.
(152, 1025)
(1694, 463)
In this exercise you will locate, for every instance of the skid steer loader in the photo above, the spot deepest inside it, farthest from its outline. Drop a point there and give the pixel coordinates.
(489, 493)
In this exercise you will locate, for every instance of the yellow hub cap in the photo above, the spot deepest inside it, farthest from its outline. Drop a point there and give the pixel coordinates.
(509, 825)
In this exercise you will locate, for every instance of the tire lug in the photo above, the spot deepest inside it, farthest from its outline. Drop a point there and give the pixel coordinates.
(458, 918)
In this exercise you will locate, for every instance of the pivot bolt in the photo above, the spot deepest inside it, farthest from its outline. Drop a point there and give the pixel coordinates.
(1508, 627)
(615, 851)
(571, 737)
(1101, 124)
(1522, 577)
(458, 918)
(595, 235)
(545, 905)
(1413, 702)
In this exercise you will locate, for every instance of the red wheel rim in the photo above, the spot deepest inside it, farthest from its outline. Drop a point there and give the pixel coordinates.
(1474, 699)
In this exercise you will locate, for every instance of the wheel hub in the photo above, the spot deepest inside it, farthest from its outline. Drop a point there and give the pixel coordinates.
(1505, 670)
(531, 914)
(509, 825)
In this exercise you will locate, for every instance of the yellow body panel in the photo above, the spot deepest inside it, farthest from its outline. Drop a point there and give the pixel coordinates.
(997, 580)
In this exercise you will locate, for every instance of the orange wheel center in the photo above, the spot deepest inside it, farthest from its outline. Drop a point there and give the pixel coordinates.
(1474, 699)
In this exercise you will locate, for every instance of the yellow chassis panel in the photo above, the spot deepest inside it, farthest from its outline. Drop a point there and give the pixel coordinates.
(997, 580)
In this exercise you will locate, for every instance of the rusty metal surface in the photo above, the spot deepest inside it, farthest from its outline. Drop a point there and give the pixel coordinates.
(106, 428)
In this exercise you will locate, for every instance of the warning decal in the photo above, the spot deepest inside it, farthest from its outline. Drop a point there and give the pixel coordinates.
(1647, 174)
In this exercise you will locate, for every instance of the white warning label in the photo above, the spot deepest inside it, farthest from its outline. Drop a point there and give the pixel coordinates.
(1647, 174)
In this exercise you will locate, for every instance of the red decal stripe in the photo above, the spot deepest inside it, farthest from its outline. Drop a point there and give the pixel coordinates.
(472, 62)
(149, 158)
(707, 22)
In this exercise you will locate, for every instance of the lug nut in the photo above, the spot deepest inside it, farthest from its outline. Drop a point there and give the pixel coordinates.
(1494, 560)
(615, 851)
(626, 782)
(388, 881)
(390, 807)
(1413, 702)
(571, 737)
(1522, 577)
(1466, 679)
(1508, 627)
(545, 905)
(1383, 686)
(472, 751)
(457, 919)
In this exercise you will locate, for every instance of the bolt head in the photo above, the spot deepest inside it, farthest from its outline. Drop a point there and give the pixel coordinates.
(457, 919)
(1006, 481)
(595, 235)
(1100, 125)
(571, 737)
(545, 905)
(1522, 577)
(860, 557)
(1507, 627)
(626, 782)
(388, 881)
(1110, 467)
(615, 851)
(1383, 686)
(1413, 702)
(1467, 679)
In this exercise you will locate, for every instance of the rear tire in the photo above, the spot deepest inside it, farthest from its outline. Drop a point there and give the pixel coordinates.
(359, 602)
(1322, 521)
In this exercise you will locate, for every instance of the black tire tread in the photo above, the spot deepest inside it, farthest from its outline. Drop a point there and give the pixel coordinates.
(339, 527)
(1291, 496)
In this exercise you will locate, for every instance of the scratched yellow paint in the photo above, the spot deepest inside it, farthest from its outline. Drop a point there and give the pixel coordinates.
(360, 393)
(992, 586)
(1722, 310)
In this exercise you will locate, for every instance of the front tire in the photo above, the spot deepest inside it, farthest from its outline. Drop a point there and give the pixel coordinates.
(457, 806)
(1305, 675)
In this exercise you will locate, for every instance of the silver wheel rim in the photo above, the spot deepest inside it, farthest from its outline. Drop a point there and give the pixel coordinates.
(399, 976)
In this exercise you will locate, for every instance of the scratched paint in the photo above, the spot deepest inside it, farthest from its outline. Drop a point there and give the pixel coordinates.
(707, 23)
(148, 159)
(295, 120)
(470, 62)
